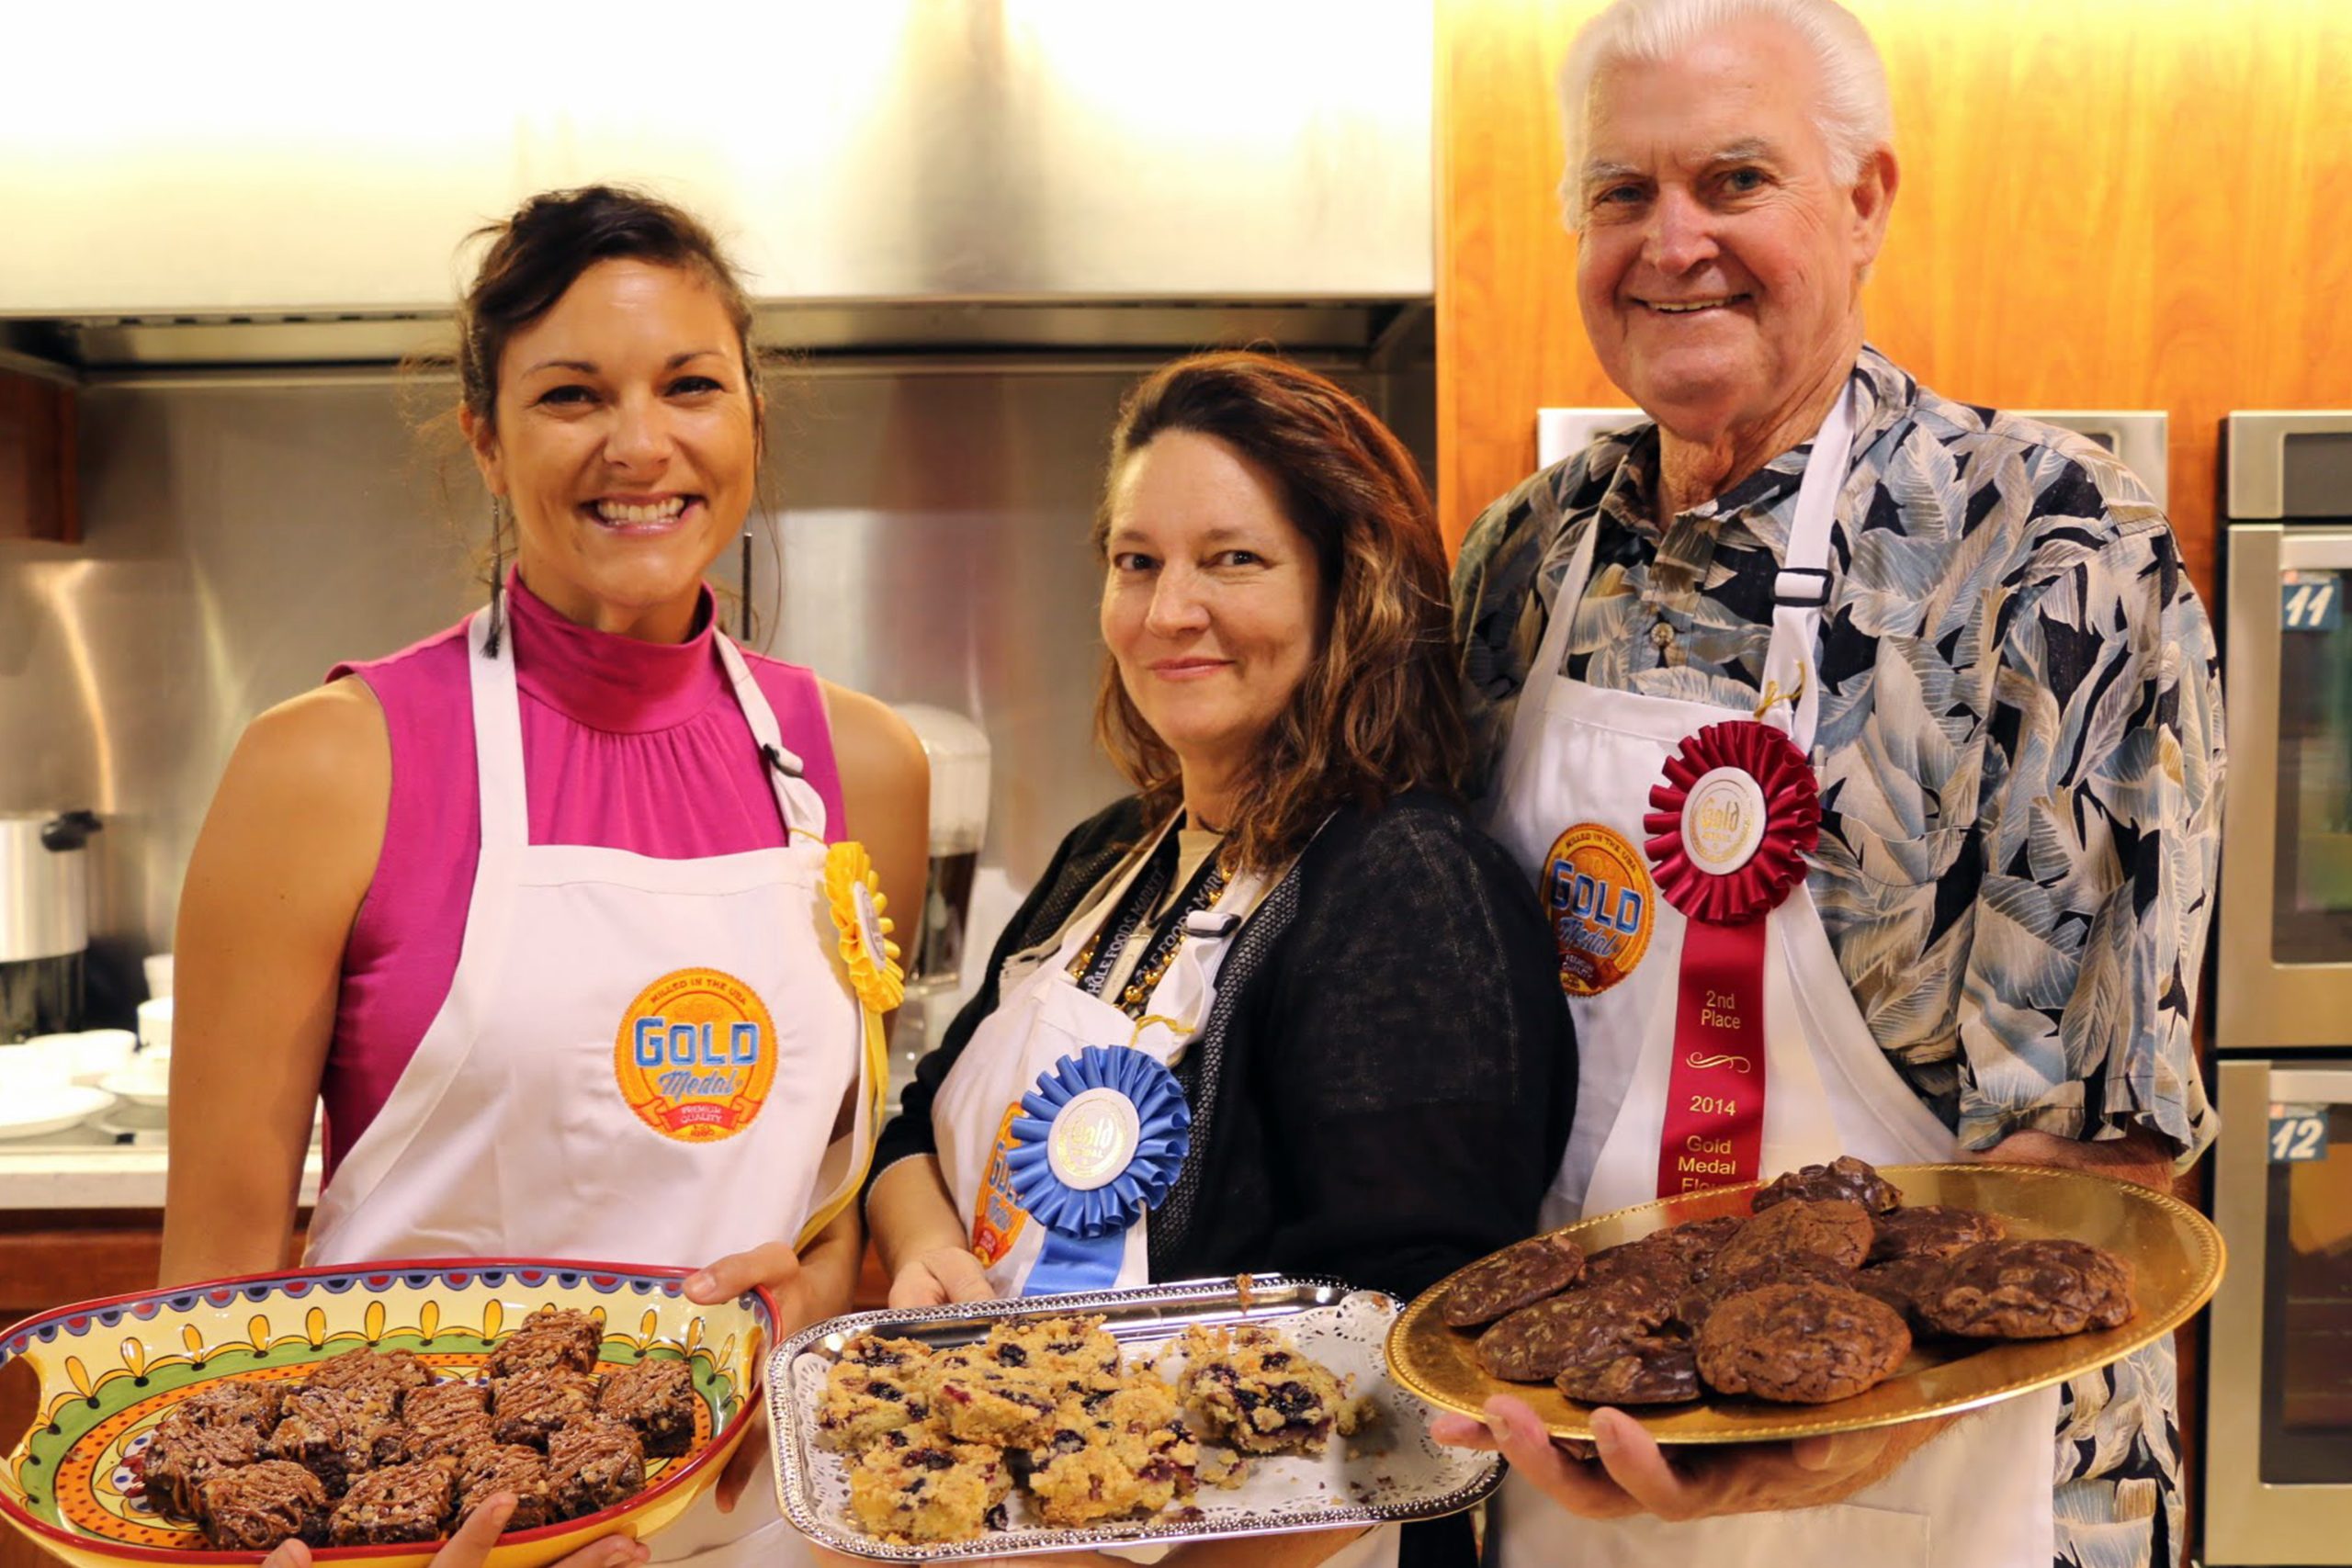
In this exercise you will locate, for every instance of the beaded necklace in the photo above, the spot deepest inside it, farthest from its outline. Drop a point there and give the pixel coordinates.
(1091, 969)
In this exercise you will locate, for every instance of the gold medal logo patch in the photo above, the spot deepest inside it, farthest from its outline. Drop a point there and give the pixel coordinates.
(1598, 896)
(696, 1055)
(997, 1223)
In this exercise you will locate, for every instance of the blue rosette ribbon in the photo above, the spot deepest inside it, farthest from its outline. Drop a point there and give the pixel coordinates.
(1103, 1135)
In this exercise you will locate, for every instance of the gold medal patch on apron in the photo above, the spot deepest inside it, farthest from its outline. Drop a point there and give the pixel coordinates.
(1597, 897)
(997, 1224)
(696, 1055)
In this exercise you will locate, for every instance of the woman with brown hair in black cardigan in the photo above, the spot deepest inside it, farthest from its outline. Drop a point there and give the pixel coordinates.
(1306, 1009)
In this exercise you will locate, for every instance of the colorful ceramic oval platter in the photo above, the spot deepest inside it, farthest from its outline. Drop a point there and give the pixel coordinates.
(109, 1369)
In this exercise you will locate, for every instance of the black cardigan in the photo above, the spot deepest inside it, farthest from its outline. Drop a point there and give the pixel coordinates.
(1384, 1085)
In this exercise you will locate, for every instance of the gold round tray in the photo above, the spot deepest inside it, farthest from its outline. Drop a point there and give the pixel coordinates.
(2174, 1252)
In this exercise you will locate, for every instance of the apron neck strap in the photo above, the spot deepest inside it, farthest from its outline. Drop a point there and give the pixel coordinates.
(1791, 693)
(803, 808)
(498, 742)
(498, 738)
(1551, 652)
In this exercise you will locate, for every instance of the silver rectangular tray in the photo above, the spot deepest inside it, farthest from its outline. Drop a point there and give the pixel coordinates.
(1389, 1473)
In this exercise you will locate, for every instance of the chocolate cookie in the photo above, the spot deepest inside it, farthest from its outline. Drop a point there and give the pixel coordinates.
(595, 1465)
(1670, 1259)
(1665, 1263)
(1835, 1228)
(1801, 1344)
(1642, 1368)
(1520, 1275)
(1844, 1177)
(331, 1432)
(1932, 1230)
(530, 1408)
(184, 1455)
(1640, 1262)
(1901, 1285)
(389, 1372)
(253, 1507)
(1537, 1343)
(397, 1506)
(551, 1336)
(1700, 1240)
(1699, 1301)
(493, 1468)
(2030, 1289)
(442, 1421)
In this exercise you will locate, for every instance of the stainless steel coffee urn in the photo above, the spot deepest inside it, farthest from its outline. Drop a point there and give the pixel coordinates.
(44, 921)
(957, 750)
(937, 954)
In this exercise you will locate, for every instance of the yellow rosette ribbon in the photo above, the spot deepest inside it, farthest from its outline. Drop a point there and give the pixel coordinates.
(860, 915)
(854, 895)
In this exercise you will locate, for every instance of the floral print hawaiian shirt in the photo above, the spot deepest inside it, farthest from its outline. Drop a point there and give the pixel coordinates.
(2020, 756)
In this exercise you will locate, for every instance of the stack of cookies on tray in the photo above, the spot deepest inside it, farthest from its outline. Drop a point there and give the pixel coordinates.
(940, 1438)
(373, 1449)
(1814, 1296)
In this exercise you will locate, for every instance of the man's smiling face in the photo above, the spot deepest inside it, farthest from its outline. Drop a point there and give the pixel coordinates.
(1720, 261)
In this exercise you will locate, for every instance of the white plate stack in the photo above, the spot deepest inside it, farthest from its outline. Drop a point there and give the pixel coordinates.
(38, 1092)
(155, 1026)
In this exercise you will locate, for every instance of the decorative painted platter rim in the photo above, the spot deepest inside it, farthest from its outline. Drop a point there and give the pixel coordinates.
(2175, 1253)
(81, 1385)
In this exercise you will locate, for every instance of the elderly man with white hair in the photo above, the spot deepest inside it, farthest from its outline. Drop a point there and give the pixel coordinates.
(1866, 748)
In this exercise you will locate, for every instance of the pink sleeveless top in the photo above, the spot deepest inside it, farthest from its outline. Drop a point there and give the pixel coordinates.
(626, 745)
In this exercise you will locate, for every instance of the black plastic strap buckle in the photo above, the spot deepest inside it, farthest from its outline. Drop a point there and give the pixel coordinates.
(1812, 592)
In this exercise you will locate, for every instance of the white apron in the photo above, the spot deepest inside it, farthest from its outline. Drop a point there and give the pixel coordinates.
(1978, 1495)
(1044, 1017)
(639, 1061)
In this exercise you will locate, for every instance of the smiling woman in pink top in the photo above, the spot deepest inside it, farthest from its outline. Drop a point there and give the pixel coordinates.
(556, 909)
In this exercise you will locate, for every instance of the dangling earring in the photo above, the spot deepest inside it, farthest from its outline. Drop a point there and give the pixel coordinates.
(500, 516)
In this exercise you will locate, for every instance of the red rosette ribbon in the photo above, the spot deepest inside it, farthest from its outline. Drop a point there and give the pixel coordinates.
(1730, 824)
(1790, 827)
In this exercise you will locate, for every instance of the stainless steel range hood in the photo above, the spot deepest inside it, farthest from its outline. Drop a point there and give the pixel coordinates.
(1374, 333)
(990, 175)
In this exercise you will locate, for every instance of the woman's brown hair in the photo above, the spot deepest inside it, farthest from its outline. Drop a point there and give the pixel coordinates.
(1378, 712)
(538, 253)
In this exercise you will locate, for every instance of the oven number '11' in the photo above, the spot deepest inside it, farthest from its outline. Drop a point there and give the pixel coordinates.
(2311, 603)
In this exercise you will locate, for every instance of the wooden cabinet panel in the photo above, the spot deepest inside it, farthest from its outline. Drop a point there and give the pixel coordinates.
(38, 497)
(50, 1257)
(873, 1288)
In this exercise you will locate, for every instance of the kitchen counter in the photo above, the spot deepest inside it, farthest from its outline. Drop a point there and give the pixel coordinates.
(68, 1172)
(115, 1160)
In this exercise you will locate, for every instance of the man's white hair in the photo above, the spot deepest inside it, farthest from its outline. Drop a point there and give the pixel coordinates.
(1852, 111)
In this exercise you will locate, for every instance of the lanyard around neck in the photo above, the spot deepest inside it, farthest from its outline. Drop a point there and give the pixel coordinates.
(1095, 964)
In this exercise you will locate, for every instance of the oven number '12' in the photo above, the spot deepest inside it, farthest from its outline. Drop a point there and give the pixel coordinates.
(2297, 1132)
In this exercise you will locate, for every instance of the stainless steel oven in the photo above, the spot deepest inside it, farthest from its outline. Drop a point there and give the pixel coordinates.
(2284, 929)
(2278, 1380)
(2278, 1389)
